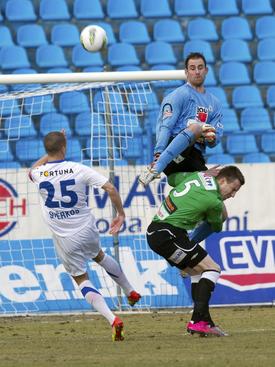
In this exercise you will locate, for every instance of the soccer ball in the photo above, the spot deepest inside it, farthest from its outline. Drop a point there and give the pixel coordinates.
(93, 38)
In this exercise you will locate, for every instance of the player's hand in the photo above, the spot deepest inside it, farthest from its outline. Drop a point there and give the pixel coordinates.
(117, 223)
(214, 171)
(208, 133)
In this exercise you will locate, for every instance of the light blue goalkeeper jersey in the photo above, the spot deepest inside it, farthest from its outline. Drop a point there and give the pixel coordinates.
(186, 103)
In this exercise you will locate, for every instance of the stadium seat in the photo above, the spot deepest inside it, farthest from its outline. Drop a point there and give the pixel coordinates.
(140, 102)
(134, 150)
(165, 83)
(126, 126)
(13, 57)
(9, 164)
(73, 150)
(268, 143)
(210, 77)
(264, 72)
(220, 94)
(255, 158)
(109, 31)
(82, 58)
(20, 10)
(85, 123)
(116, 103)
(255, 7)
(255, 119)
(230, 121)
(168, 30)
(29, 149)
(36, 105)
(120, 54)
(98, 150)
(234, 73)
(202, 29)
(241, 144)
(236, 27)
(19, 126)
(270, 96)
(73, 102)
(54, 10)
(218, 149)
(9, 107)
(159, 53)
(65, 35)
(229, 47)
(5, 37)
(149, 9)
(223, 8)
(5, 151)
(50, 56)
(266, 49)
(54, 122)
(121, 9)
(221, 158)
(31, 35)
(150, 120)
(85, 9)
(265, 27)
(133, 32)
(203, 47)
(189, 8)
(247, 96)
(129, 68)
(59, 70)
(28, 86)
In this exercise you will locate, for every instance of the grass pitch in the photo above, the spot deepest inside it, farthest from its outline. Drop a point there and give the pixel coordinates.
(154, 339)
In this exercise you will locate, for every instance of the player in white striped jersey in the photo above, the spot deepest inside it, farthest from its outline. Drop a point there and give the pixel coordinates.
(63, 189)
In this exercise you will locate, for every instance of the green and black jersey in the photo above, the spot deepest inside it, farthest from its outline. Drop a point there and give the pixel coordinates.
(194, 198)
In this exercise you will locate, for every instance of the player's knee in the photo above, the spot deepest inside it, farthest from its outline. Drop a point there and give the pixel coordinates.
(196, 129)
(99, 257)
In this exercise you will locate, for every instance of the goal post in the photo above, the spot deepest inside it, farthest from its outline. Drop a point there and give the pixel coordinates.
(105, 116)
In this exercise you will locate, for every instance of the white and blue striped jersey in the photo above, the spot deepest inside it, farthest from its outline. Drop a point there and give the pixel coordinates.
(186, 103)
(63, 187)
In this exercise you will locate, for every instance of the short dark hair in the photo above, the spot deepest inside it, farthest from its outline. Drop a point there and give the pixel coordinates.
(231, 173)
(194, 55)
(54, 142)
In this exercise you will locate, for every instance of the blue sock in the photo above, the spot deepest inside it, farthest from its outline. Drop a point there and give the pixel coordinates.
(181, 142)
(201, 232)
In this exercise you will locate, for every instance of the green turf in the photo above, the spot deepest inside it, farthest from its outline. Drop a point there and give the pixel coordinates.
(156, 339)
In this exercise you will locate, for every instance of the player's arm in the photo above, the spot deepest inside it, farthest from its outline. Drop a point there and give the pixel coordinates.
(116, 200)
(39, 162)
(215, 216)
(170, 111)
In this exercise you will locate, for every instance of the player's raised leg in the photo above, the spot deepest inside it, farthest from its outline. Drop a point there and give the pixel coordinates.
(114, 270)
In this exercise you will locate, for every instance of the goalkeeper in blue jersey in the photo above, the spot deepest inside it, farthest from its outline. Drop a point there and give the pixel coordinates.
(195, 197)
(190, 119)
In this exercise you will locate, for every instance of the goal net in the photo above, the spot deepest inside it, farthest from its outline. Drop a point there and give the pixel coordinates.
(110, 125)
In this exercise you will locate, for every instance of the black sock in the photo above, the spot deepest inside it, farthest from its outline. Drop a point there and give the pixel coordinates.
(194, 287)
(202, 293)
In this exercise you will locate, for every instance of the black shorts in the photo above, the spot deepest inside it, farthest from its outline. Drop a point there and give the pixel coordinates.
(173, 244)
(193, 161)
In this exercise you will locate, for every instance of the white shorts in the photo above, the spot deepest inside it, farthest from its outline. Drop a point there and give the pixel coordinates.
(76, 250)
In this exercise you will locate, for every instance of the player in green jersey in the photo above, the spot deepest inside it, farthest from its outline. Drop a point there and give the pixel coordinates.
(196, 197)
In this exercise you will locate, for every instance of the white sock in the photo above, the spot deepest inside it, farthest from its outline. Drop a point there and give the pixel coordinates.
(195, 278)
(94, 298)
(114, 270)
